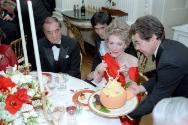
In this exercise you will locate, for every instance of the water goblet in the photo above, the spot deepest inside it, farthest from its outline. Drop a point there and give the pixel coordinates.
(62, 81)
(57, 114)
(51, 81)
(8, 69)
(71, 115)
(51, 85)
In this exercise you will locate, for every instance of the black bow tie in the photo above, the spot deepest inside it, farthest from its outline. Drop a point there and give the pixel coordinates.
(57, 45)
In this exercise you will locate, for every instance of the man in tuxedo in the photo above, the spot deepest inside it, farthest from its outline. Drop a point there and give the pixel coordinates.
(58, 53)
(171, 77)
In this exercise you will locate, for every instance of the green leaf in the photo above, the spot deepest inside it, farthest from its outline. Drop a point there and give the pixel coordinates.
(102, 109)
(127, 84)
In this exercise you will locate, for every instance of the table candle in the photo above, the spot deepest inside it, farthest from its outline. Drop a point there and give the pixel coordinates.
(22, 32)
(35, 44)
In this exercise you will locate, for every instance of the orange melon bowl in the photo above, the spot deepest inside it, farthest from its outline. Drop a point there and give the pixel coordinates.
(113, 102)
(129, 94)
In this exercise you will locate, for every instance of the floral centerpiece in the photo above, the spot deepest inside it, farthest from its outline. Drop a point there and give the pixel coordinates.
(20, 98)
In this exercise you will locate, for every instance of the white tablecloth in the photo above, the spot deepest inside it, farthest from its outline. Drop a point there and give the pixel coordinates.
(85, 117)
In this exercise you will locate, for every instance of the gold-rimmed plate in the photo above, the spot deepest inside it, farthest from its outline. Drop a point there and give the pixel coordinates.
(129, 106)
(78, 100)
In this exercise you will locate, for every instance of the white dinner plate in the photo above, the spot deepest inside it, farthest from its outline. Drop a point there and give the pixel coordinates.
(129, 106)
(82, 102)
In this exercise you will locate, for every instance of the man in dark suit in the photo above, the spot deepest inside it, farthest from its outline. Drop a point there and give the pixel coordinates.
(171, 77)
(58, 53)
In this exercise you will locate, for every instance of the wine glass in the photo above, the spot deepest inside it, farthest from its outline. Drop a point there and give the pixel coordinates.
(57, 114)
(62, 80)
(71, 114)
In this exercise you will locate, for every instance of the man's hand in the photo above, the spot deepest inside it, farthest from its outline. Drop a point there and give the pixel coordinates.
(136, 89)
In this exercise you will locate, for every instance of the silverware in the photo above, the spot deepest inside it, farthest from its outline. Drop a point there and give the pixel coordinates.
(89, 82)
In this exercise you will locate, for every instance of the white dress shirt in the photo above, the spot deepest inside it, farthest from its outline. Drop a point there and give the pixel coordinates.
(56, 51)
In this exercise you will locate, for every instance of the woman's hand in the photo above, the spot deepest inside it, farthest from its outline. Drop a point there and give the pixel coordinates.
(99, 71)
(101, 68)
(123, 69)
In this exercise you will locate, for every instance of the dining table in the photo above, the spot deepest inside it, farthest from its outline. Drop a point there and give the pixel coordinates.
(63, 97)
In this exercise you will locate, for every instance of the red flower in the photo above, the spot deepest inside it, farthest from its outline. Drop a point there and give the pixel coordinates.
(13, 104)
(1, 123)
(21, 95)
(5, 83)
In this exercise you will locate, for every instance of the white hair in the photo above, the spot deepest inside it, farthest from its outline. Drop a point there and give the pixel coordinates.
(171, 111)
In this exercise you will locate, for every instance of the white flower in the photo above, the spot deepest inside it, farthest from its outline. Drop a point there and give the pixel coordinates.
(19, 121)
(29, 114)
(26, 107)
(16, 78)
(5, 115)
(2, 73)
(31, 92)
(19, 78)
(13, 90)
(37, 103)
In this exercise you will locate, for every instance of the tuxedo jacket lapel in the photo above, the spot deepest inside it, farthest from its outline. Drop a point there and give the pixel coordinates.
(159, 52)
(63, 52)
(50, 56)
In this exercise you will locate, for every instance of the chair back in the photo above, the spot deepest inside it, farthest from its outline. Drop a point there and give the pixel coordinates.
(18, 49)
(142, 60)
(81, 58)
(74, 33)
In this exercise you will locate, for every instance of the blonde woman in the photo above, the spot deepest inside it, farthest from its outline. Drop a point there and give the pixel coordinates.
(117, 63)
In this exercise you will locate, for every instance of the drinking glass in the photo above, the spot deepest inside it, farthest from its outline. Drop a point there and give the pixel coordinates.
(62, 80)
(8, 69)
(52, 83)
(57, 115)
(71, 115)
